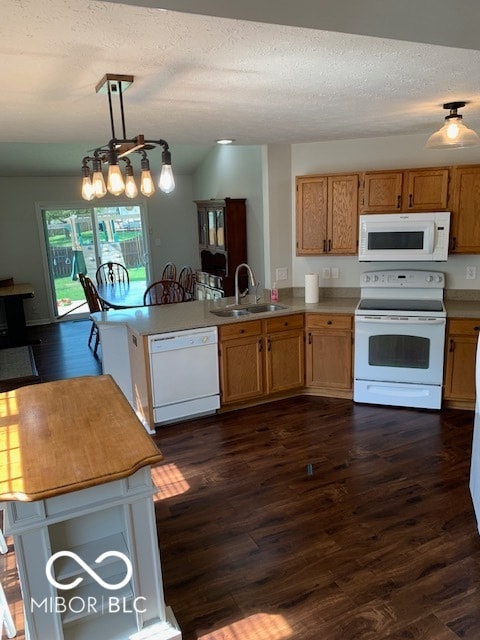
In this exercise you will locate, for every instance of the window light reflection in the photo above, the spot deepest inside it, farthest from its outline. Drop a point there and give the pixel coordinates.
(169, 481)
(259, 626)
(11, 478)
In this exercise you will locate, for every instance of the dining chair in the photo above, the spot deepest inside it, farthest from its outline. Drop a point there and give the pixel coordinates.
(164, 292)
(186, 278)
(169, 272)
(94, 304)
(110, 272)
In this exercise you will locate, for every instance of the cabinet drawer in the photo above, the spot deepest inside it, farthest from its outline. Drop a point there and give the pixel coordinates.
(240, 329)
(328, 321)
(470, 326)
(284, 322)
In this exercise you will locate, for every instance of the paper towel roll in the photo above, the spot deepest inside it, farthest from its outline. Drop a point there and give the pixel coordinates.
(311, 287)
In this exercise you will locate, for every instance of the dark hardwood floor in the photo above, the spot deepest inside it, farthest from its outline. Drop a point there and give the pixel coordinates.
(309, 518)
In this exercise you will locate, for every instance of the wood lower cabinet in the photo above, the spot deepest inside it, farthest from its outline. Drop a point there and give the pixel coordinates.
(284, 354)
(460, 354)
(328, 354)
(241, 361)
(409, 190)
(261, 358)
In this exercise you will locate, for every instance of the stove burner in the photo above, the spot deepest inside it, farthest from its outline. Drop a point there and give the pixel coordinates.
(375, 304)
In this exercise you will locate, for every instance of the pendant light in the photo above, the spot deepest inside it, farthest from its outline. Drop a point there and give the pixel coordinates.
(454, 134)
(119, 150)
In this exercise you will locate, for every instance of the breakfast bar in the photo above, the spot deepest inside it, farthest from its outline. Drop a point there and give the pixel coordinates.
(79, 505)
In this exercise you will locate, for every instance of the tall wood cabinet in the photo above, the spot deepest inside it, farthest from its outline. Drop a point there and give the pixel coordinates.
(409, 190)
(327, 214)
(222, 239)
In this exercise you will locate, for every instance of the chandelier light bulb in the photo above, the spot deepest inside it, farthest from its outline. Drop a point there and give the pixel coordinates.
(131, 189)
(115, 183)
(88, 192)
(146, 183)
(98, 183)
(167, 181)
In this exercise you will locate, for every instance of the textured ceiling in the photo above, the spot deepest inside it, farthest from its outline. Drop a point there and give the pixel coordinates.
(199, 78)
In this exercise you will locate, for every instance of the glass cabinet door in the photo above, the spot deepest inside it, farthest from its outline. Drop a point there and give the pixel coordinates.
(212, 229)
(220, 221)
(202, 228)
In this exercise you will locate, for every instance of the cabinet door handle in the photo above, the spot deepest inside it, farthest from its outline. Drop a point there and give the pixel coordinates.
(269, 345)
(329, 322)
(476, 328)
(399, 201)
(324, 246)
(410, 200)
(454, 243)
(309, 337)
(260, 346)
(451, 346)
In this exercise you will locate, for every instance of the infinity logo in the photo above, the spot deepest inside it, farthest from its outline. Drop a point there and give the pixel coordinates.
(88, 569)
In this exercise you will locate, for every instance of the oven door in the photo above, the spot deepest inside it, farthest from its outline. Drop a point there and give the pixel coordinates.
(399, 349)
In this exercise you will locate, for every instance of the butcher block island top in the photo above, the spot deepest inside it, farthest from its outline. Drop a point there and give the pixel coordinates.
(63, 436)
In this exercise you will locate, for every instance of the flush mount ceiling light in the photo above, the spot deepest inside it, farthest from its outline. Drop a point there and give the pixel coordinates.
(454, 134)
(118, 151)
(225, 141)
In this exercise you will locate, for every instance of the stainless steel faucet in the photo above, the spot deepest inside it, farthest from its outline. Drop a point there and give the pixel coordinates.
(251, 276)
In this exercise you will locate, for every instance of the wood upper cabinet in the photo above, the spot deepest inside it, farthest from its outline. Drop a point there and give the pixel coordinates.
(329, 353)
(460, 354)
(409, 190)
(327, 214)
(465, 207)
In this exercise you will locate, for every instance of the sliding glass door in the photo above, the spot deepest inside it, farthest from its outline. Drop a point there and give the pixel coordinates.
(79, 240)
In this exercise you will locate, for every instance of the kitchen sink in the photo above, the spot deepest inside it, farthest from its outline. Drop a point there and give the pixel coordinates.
(244, 311)
(265, 307)
(231, 313)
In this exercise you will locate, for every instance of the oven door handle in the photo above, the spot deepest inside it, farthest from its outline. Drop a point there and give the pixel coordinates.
(404, 319)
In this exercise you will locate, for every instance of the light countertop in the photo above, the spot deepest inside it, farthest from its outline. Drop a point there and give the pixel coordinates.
(197, 314)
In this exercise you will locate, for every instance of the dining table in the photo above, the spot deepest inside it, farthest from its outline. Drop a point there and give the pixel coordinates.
(122, 295)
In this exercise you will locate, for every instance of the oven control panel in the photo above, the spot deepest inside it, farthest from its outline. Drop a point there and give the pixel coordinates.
(403, 278)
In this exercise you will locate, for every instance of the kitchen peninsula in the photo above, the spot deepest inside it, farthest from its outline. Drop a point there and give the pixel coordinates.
(75, 497)
(126, 335)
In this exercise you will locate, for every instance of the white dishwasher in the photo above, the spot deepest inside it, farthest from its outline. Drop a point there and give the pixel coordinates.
(184, 374)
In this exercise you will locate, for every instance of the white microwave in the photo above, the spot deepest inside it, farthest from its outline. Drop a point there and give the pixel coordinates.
(404, 236)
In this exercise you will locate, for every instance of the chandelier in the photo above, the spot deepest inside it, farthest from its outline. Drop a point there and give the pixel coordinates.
(119, 150)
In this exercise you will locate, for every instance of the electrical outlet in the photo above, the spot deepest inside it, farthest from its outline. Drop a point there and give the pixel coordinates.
(281, 273)
(471, 273)
(335, 272)
(326, 273)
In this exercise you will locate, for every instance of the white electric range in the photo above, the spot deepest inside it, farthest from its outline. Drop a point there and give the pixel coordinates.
(400, 338)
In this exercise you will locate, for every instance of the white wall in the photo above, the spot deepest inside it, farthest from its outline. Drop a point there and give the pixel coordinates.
(236, 172)
(399, 152)
(171, 220)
